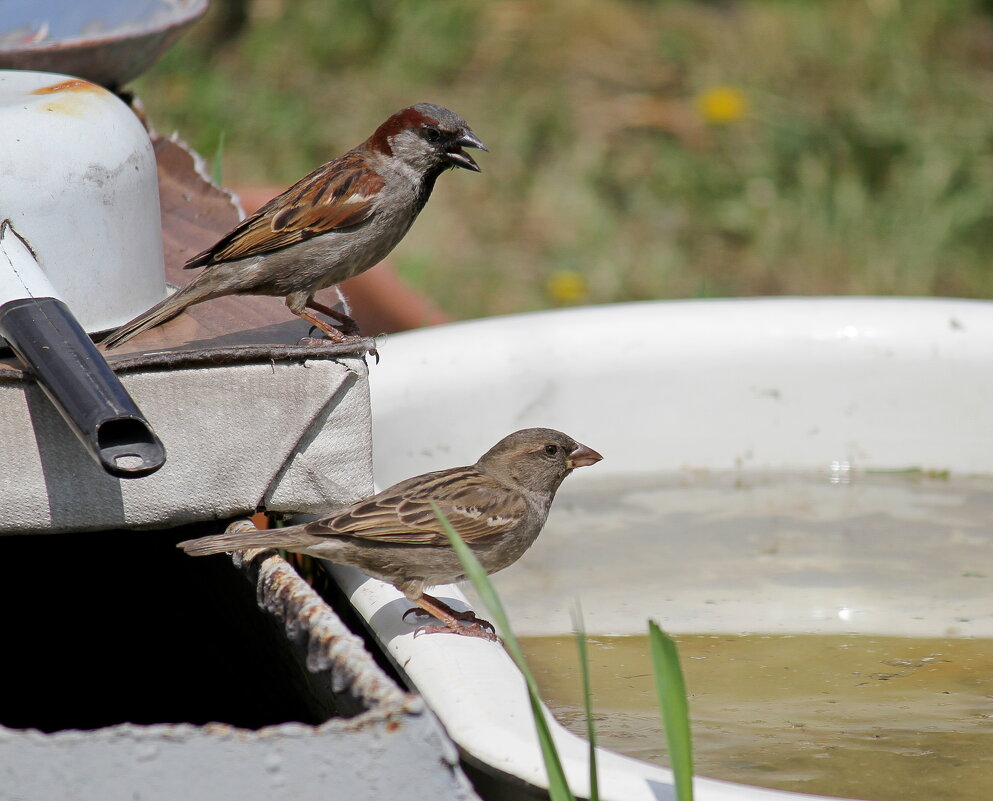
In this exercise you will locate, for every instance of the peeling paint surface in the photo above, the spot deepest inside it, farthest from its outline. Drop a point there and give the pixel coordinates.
(71, 85)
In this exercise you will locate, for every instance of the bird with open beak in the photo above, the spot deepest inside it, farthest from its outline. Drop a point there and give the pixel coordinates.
(335, 223)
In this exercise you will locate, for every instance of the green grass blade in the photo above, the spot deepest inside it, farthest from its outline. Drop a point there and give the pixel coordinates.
(558, 787)
(671, 690)
(584, 666)
(217, 174)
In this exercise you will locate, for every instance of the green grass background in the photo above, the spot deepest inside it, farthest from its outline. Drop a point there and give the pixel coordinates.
(863, 162)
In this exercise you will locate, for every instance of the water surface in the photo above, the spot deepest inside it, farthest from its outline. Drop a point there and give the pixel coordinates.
(760, 552)
(886, 718)
(867, 601)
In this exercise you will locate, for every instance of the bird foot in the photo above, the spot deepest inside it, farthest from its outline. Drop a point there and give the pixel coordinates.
(341, 339)
(471, 630)
(468, 616)
(452, 621)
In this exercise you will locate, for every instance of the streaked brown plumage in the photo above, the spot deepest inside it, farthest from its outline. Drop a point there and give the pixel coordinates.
(497, 505)
(334, 223)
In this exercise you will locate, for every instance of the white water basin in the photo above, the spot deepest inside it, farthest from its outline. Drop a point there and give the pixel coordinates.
(832, 385)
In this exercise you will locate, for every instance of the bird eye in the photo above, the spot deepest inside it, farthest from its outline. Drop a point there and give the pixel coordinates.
(551, 450)
(431, 133)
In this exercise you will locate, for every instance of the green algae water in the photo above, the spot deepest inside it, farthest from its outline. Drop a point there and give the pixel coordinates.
(884, 718)
(836, 629)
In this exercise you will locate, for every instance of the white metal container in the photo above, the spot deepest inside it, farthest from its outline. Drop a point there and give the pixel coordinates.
(78, 182)
(760, 384)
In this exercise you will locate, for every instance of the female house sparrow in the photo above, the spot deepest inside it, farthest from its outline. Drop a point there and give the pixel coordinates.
(498, 506)
(337, 222)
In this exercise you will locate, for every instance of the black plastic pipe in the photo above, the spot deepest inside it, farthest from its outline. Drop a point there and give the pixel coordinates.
(57, 351)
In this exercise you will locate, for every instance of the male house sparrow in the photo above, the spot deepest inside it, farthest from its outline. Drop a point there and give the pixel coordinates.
(337, 222)
(498, 506)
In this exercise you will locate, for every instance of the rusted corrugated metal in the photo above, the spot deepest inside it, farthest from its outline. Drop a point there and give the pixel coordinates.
(313, 626)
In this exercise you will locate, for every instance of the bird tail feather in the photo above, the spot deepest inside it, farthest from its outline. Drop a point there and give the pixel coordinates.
(159, 313)
(290, 537)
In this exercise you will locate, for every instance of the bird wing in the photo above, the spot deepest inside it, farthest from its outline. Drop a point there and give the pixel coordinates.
(478, 507)
(337, 195)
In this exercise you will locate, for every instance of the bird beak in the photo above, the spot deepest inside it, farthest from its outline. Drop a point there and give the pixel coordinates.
(459, 157)
(582, 457)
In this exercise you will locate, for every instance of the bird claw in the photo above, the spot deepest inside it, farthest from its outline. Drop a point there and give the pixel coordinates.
(312, 341)
(472, 630)
(415, 610)
(468, 616)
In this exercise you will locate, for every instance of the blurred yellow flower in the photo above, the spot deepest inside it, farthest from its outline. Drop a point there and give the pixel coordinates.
(566, 286)
(721, 105)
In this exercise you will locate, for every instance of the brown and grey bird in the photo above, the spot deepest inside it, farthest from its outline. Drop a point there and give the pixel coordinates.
(497, 505)
(337, 222)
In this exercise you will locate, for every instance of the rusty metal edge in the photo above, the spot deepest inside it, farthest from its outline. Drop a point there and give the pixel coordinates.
(313, 625)
(239, 354)
(220, 357)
